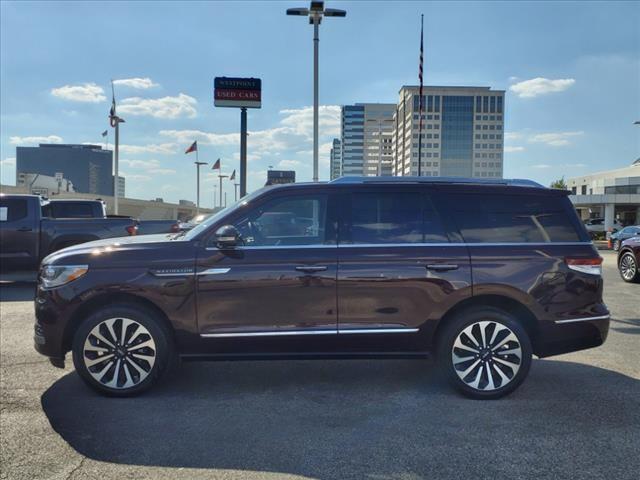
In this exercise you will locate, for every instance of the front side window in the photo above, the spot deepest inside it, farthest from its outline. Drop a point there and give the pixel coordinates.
(286, 221)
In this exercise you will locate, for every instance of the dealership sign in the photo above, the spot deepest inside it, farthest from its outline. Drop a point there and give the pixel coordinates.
(237, 92)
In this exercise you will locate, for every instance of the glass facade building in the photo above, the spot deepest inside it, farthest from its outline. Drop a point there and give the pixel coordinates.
(335, 159)
(88, 167)
(352, 139)
(462, 132)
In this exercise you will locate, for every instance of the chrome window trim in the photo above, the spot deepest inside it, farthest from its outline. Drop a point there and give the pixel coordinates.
(585, 319)
(308, 332)
(391, 245)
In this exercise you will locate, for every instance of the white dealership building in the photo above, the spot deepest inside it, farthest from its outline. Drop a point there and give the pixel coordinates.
(613, 194)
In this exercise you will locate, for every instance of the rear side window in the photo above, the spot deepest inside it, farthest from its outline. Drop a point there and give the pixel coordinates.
(512, 218)
(70, 210)
(393, 217)
(12, 210)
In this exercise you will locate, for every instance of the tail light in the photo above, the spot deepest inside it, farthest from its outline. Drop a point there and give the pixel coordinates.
(592, 266)
(609, 243)
(132, 230)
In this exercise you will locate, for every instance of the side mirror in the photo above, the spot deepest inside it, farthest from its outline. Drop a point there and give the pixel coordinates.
(227, 236)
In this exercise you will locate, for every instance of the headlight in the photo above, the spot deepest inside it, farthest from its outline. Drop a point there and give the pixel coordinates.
(57, 275)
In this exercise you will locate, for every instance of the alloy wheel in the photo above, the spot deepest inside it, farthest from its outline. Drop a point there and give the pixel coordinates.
(486, 355)
(628, 266)
(119, 353)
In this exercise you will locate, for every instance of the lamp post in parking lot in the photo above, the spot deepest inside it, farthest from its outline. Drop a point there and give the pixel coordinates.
(315, 12)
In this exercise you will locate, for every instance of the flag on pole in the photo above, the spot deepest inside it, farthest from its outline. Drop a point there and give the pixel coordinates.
(420, 101)
(233, 176)
(105, 133)
(192, 148)
(216, 166)
(112, 112)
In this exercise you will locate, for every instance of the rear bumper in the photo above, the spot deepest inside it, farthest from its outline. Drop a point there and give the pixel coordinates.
(570, 335)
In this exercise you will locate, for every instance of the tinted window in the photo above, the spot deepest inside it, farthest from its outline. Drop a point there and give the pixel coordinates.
(12, 209)
(70, 210)
(512, 218)
(295, 220)
(393, 217)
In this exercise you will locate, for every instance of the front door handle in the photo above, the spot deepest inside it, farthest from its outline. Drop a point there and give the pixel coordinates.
(25, 229)
(311, 268)
(442, 267)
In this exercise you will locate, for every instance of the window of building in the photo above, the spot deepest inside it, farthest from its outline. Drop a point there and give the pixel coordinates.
(478, 117)
(437, 105)
(583, 190)
(492, 103)
(478, 105)
(499, 106)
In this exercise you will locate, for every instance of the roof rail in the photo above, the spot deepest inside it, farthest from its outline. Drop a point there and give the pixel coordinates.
(351, 180)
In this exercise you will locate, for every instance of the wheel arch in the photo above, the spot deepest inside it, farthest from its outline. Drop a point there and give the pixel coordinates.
(110, 299)
(519, 310)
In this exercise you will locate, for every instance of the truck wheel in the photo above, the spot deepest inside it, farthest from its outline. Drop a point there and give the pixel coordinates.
(122, 350)
(485, 353)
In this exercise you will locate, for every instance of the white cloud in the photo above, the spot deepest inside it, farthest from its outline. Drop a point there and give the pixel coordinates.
(540, 86)
(133, 177)
(544, 166)
(8, 162)
(86, 92)
(165, 107)
(150, 166)
(163, 148)
(187, 137)
(541, 166)
(34, 140)
(301, 120)
(554, 139)
(513, 136)
(513, 149)
(136, 82)
(289, 163)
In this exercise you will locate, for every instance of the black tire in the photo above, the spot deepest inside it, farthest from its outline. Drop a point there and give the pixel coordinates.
(616, 245)
(140, 366)
(628, 268)
(485, 363)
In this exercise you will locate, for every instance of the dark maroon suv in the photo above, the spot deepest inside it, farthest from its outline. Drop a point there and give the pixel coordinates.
(483, 275)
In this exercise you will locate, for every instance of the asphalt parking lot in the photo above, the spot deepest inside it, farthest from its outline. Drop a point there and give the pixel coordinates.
(577, 415)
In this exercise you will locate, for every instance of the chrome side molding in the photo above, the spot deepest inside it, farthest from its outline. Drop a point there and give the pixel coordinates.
(309, 332)
(585, 319)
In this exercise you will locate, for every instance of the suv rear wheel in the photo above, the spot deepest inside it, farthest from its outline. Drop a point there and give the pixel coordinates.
(628, 268)
(485, 353)
(122, 350)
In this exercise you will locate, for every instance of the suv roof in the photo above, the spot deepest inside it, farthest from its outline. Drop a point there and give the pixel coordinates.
(517, 182)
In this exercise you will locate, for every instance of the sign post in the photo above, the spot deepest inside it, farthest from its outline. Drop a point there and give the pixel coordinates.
(241, 93)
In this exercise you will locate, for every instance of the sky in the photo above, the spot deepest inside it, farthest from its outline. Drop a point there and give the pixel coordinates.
(571, 71)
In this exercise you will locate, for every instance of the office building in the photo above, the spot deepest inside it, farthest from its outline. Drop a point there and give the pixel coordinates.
(121, 187)
(367, 133)
(611, 195)
(88, 167)
(335, 159)
(462, 132)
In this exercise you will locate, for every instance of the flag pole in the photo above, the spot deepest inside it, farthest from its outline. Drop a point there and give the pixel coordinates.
(420, 102)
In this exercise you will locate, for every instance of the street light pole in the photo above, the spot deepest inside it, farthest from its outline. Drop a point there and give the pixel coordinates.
(198, 164)
(220, 176)
(315, 12)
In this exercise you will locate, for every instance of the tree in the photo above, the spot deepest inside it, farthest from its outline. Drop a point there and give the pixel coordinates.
(559, 184)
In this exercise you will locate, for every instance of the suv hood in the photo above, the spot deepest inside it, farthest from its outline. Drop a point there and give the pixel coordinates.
(99, 250)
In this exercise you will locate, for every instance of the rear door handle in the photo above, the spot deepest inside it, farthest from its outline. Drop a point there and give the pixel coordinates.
(25, 229)
(311, 268)
(442, 267)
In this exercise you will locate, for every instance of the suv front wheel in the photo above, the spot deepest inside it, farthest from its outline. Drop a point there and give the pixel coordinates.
(485, 353)
(122, 350)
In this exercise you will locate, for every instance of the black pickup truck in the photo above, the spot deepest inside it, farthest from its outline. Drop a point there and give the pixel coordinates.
(79, 208)
(28, 233)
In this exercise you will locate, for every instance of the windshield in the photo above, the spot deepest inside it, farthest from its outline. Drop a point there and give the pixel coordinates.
(198, 229)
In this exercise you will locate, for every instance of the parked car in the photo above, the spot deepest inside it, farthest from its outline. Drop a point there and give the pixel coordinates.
(620, 236)
(189, 224)
(629, 260)
(480, 274)
(27, 236)
(596, 225)
(74, 208)
(151, 227)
